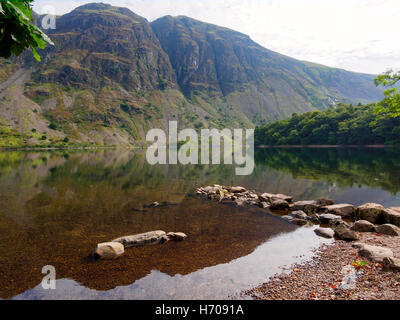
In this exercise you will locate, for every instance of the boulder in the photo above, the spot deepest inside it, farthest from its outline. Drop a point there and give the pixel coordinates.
(263, 205)
(325, 202)
(315, 219)
(306, 206)
(176, 236)
(236, 189)
(392, 216)
(391, 264)
(108, 250)
(344, 233)
(299, 215)
(327, 217)
(299, 222)
(388, 229)
(374, 253)
(325, 232)
(143, 239)
(371, 212)
(337, 223)
(289, 218)
(269, 197)
(363, 226)
(343, 210)
(279, 205)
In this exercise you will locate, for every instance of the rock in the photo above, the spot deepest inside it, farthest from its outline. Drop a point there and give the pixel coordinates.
(143, 239)
(306, 206)
(388, 229)
(299, 222)
(263, 205)
(391, 264)
(325, 232)
(338, 223)
(374, 253)
(176, 236)
(109, 250)
(152, 205)
(236, 189)
(240, 202)
(299, 215)
(327, 217)
(325, 202)
(289, 218)
(363, 226)
(371, 212)
(344, 233)
(269, 197)
(392, 216)
(343, 210)
(279, 205)
(315, 219)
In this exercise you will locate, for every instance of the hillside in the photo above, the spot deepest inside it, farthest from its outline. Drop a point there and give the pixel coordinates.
(112, 75)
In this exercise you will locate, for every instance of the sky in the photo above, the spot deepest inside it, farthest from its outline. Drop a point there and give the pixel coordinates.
(356, 35)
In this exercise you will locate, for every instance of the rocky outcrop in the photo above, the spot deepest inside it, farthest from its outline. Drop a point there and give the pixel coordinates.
(279, 204)
(388, 229)
(374, 253)
(108, 250)
(363, 226)
(371, 212)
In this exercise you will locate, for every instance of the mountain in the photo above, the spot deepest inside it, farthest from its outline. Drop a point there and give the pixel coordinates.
(112, 75)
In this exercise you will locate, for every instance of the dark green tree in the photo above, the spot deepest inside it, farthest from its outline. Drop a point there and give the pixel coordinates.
(17, 32)
(390, 106)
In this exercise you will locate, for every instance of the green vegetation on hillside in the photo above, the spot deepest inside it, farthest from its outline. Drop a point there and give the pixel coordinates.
(342, 125)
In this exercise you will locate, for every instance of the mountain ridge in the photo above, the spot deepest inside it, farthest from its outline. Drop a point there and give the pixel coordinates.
(113, 75)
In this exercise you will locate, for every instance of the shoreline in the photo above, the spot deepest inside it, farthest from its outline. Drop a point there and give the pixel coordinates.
(325, 146)
(321, 278)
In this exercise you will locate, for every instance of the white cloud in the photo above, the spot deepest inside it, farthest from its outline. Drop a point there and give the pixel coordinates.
(358, 35)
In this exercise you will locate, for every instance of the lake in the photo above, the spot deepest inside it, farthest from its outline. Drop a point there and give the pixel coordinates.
(57, 205)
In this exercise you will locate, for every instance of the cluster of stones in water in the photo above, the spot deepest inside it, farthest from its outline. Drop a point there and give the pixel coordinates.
(369, 217)
(116, 248)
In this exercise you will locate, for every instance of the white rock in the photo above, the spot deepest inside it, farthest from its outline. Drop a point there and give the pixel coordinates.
(109, 250)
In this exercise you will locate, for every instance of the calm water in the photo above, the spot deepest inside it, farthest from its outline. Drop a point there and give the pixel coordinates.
(55, 207)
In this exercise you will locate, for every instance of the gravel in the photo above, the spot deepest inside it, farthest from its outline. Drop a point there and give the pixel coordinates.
(322, 278)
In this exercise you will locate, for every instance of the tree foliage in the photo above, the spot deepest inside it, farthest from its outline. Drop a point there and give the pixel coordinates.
(341, 125)
(17, 32)
(390, 106)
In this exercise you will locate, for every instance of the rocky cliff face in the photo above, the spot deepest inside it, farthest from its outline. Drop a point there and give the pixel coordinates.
(112, 75)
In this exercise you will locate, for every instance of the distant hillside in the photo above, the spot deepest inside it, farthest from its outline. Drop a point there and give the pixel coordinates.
(112, 76)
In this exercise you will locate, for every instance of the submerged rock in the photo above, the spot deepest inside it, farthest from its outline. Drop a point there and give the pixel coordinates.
(299, 222)
(108, 250)
(363, 226)
(143, 239)
(371, 212)
(388, 229)
(176, 236)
